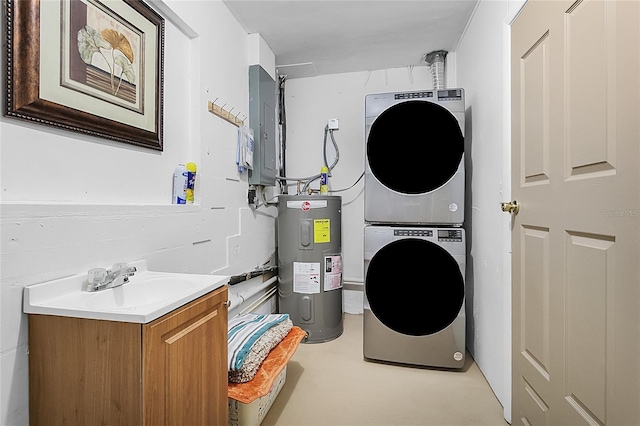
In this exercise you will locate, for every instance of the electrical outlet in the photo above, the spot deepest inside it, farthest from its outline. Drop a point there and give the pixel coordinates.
(333, 124)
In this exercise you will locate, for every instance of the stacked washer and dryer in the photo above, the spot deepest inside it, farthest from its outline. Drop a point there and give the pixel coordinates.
(414, 243)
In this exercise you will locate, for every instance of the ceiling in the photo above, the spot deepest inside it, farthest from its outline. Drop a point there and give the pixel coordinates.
(316, 37)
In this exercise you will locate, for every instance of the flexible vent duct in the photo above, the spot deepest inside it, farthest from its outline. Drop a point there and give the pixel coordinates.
(436, 62)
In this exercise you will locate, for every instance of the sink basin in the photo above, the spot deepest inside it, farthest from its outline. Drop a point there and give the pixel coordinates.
(148, 295)
(136, 293)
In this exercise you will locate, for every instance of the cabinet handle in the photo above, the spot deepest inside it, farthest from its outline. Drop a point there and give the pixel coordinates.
(227, 303)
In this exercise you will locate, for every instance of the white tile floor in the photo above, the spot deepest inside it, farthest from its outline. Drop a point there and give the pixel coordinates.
(330, 384)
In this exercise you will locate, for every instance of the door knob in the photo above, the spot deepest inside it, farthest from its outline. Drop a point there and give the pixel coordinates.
(510, 207)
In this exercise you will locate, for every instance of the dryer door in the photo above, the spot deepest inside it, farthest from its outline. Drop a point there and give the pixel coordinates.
(414, 147)
(414, 287)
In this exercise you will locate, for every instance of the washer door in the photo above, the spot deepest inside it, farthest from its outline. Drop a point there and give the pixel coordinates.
(414, 147)
(414, 287)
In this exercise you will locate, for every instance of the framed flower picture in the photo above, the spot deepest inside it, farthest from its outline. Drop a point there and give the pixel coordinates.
(90, 66)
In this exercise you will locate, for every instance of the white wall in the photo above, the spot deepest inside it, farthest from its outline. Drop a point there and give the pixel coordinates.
(310, 102)
(72, 202)
(483, 70)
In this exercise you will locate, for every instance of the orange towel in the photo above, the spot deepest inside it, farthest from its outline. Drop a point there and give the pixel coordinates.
(272, 365)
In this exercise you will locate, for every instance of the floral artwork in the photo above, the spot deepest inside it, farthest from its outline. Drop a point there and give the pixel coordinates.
(94, 67)
(104, 54)
(90, 41)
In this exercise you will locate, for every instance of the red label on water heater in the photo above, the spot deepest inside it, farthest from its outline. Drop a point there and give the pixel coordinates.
(306, 206)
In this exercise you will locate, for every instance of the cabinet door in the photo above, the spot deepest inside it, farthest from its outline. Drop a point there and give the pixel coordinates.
(184, 364)
(83, 371)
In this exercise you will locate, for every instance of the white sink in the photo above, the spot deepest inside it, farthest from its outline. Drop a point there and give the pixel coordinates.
(148, 295)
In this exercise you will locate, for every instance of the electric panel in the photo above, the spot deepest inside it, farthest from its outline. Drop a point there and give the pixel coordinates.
(262, 119)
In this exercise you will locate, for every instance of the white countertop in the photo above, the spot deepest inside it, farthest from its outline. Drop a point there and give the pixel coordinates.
(147, 296)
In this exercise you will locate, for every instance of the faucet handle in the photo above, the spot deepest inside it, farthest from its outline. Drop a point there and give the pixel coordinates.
(123, 268)
(97, 275)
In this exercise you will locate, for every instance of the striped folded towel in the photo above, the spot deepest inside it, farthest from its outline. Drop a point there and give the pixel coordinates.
(244, 331)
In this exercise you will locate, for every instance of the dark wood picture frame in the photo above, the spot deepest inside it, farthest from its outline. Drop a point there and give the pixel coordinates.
(22, 79)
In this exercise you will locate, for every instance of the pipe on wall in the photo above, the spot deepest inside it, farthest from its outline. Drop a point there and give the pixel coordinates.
(239, 298)
(259, 301)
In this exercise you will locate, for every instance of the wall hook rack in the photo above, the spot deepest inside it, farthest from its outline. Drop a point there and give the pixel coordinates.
(225, 114)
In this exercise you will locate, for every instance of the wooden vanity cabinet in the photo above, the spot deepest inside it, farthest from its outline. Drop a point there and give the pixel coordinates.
(171, 371)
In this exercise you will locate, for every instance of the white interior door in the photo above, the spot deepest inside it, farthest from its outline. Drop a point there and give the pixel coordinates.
(575, 175)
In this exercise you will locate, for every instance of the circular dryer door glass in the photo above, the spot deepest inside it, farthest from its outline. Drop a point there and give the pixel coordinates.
(414, 287)
(415, 147)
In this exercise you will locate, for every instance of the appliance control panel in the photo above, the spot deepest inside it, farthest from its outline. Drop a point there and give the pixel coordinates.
(413, 95)
(413, 233)
(450, 95)
(450, 235)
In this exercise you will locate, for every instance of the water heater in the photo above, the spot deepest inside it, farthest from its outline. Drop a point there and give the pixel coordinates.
(310, 264)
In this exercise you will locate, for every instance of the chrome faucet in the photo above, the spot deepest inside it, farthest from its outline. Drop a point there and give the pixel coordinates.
(101, 278)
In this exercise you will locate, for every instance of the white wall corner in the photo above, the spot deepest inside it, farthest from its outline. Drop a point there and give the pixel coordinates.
(451, 76)
(165, 9)
(259, 53)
